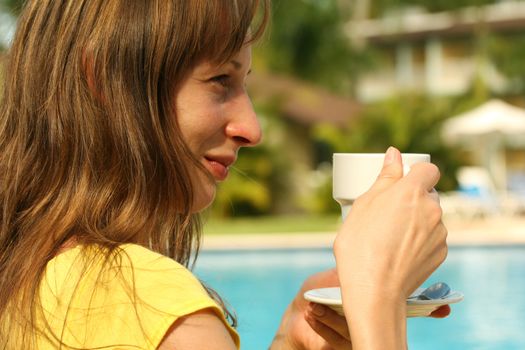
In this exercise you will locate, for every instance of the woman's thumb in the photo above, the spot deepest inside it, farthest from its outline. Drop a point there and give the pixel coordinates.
(392, 170)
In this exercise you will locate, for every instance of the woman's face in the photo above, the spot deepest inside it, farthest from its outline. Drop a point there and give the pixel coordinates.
(216, 118)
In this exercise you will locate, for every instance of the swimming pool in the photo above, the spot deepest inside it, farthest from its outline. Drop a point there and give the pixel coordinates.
(259, 284)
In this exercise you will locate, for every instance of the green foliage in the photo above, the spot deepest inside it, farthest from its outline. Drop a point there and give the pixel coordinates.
(412, 123)
(12, 5)
(307, 40)
(246, 192)
(507, 52)
(319, 199)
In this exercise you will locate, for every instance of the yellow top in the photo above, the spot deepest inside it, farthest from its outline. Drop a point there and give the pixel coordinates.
(128, 302)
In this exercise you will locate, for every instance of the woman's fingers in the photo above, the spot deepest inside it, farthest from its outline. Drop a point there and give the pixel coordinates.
(391, 172)
(329, 318)
(425, 174)
(330, 326)
(333, 328)
(434, 195)
(338, 323)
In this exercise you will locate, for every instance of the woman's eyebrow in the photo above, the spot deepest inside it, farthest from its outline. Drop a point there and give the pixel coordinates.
(236, 64)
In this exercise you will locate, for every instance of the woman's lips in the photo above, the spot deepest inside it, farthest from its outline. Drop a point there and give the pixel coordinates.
(218, 168)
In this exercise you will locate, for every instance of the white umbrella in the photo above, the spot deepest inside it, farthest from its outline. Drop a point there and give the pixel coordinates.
(489, 128)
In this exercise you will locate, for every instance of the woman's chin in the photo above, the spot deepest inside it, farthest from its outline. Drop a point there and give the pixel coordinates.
(202, 201)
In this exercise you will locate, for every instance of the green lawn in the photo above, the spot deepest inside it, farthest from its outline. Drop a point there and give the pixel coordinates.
(272, 224)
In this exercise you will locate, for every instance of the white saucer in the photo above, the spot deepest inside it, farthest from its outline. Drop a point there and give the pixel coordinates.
(415, 308)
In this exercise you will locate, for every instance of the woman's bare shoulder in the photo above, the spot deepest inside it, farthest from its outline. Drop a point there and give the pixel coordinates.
(200, 330)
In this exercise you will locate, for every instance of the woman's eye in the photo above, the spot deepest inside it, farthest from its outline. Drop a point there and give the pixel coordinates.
(223, 80)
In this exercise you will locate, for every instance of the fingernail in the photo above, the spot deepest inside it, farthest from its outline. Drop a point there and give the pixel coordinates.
(317, 310)
(390, 155)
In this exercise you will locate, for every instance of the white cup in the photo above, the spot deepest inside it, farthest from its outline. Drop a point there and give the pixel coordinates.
(355, 173)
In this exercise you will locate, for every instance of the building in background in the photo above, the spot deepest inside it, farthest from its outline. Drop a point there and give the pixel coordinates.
(437, 53)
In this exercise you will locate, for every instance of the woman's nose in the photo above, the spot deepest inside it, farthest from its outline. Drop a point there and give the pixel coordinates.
(244, 126)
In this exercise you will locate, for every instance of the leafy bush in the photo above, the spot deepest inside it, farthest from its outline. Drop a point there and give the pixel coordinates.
(412, 123)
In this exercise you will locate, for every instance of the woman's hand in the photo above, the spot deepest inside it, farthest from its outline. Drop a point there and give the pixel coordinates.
(391, 241)
(308, 326)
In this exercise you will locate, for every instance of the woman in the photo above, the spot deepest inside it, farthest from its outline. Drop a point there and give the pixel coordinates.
(118, 119)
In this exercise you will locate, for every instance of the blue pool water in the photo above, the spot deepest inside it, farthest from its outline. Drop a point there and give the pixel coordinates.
(259, 285)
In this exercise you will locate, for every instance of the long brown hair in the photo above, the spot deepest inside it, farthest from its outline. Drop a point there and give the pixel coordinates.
(102, 161)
